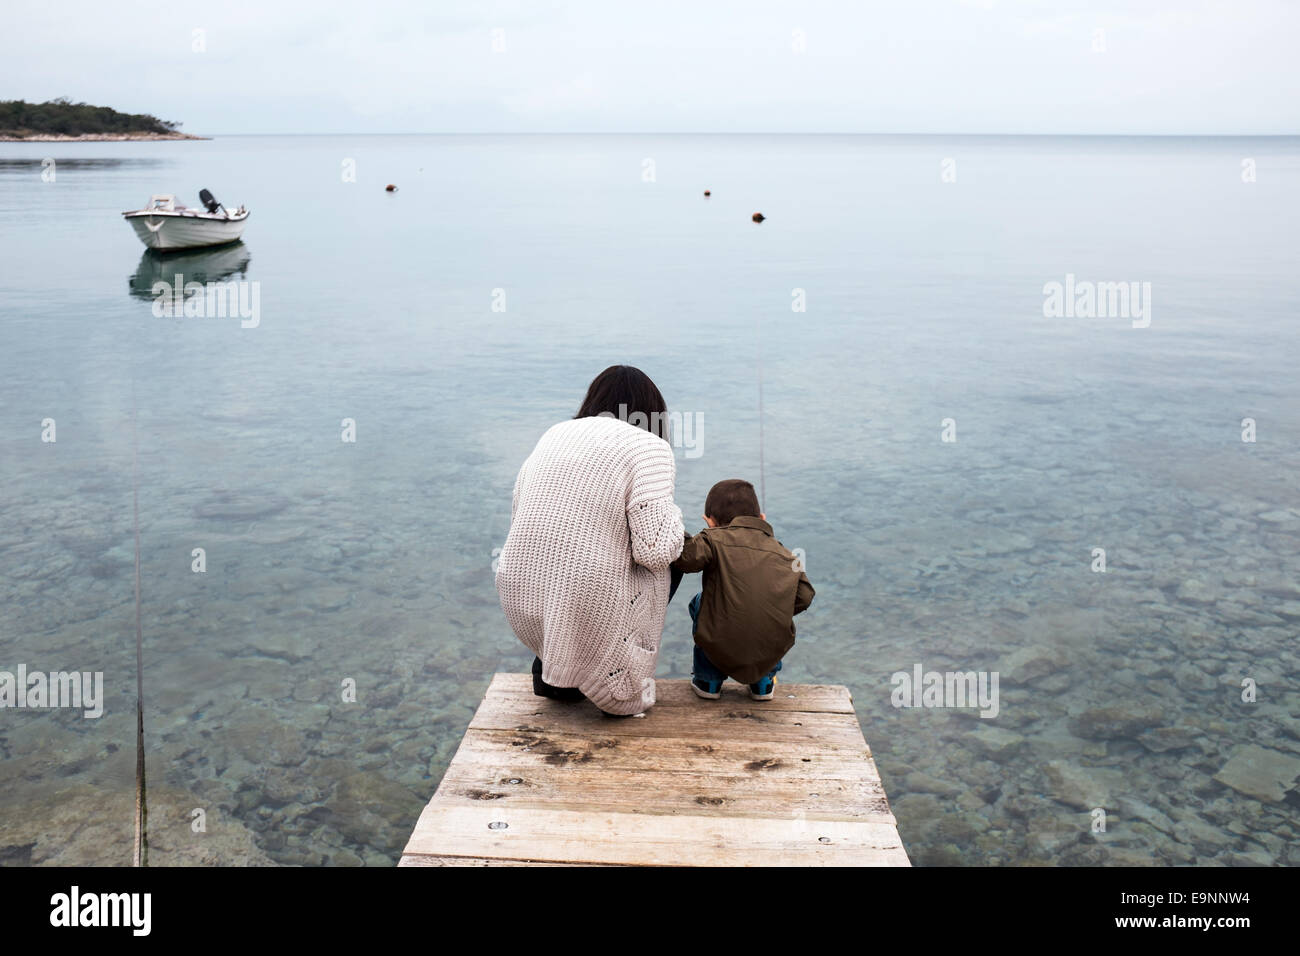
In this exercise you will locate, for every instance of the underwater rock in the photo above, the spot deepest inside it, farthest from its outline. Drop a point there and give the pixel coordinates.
(261, 743)
(920, 807)
(1240, 579)
(1162, 739)
(1016, 606)
(1282, 588)
(1124, 856)
(1260, 773)
(284, 786)
(1028, 664)
(85, 825)
(1233, 613)
(918, 782)
(1146, 813)
(330, 597)
(1192, 591)
(945, 854)
(995, 742)
(272, 679)
(954, 828)
(226, 841)
(1049, 834)
(1055, 742)
(1113, 723)
(1007, 542)
(1082, 787)
(226, 506)
(1252, 857)
(1288, 609)
(1056, 683)
(1193, 679)
(288, 647)
(309, 691)
(368, 808)
(1192, 828)
(325, 557)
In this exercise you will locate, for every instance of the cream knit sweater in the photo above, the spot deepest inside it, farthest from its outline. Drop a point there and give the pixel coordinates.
(583, 576)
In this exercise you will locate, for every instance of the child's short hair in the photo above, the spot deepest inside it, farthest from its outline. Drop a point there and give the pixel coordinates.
(730, 499)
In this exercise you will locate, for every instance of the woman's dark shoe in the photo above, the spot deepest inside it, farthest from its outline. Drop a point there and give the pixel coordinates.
(543, 689)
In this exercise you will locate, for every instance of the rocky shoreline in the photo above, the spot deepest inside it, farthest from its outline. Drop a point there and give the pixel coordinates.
(97, 138)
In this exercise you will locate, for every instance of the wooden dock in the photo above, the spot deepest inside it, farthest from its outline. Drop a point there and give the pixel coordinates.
(731, 782)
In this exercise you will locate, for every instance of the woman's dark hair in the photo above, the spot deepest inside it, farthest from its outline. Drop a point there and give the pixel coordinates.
(626, 393)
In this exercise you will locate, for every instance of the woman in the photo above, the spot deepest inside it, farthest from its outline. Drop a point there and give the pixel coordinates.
(584, 577)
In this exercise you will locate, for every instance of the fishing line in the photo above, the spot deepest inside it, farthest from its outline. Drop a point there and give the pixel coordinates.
(140, 850)
(762, 468)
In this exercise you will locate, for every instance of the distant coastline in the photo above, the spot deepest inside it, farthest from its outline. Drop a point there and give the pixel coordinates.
(62, 121)
(96, 137)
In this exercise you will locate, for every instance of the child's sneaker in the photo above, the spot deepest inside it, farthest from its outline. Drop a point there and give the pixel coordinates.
(765, 689)
(708, 689)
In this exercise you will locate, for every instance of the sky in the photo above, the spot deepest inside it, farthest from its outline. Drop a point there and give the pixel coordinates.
(716, 66)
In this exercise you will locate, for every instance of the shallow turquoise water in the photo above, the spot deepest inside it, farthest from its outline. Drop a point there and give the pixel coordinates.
(371, 561)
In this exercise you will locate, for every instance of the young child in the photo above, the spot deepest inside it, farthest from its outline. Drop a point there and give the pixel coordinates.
(742, 620)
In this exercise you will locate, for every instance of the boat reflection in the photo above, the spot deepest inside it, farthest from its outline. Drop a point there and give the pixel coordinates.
(200, 265)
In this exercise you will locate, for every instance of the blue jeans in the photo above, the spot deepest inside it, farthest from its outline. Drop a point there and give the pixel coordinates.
(704, 668)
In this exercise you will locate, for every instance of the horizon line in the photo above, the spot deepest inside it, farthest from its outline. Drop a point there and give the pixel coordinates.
(765, 133)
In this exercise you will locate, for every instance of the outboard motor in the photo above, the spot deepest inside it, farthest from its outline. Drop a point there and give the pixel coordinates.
(209, 201)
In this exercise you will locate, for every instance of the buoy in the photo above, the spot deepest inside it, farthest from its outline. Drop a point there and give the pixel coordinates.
(707, 193)
(390, 188)
(758, 217)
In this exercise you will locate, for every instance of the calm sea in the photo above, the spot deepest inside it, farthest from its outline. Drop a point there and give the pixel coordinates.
(957, 466)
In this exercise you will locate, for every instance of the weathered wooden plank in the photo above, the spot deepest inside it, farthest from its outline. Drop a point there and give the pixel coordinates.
(723, 758)
(421, 859)
(577, 788)
(828, 698)
(692, 782)
(651, 839)
(730, 723)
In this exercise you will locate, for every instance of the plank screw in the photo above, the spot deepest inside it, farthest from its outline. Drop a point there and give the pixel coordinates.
(823, 839)
(502, 825)
(515, 780)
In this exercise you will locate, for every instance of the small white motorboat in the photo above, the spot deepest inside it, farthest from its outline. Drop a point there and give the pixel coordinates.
(164, 224)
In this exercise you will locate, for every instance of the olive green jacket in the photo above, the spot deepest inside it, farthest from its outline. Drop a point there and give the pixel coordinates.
(753, 588)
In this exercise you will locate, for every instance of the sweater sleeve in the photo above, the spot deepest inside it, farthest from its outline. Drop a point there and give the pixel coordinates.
(653, 518)
(697, 554)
